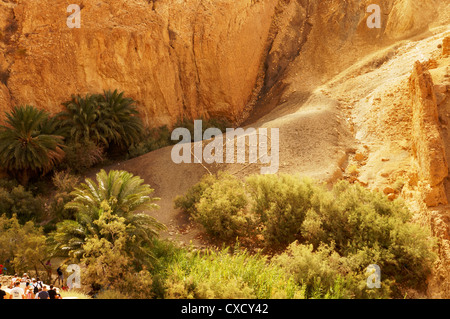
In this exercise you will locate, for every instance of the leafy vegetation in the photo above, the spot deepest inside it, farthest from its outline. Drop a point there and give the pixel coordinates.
(221, 275)
(122, 193)
(17, 201)
(361, 227)
(22, 245)
(298, 238)
(26, 149)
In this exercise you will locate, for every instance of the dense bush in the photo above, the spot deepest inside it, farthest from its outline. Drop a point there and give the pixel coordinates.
(361, 226)
(281, 204)
(324, 271)
(22, 246)
(82, 156)
(22, 203)
(189, 201)
(222, 209)
(273, 207)
(369, 229)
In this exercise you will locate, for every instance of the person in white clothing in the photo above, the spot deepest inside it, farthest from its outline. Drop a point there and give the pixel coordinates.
(13, 281)
(17, 292)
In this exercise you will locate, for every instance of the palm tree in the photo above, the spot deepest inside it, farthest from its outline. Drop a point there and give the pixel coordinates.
(107, 119)
(81, 120)
(27, 147)
(126, 196)
(120, 115)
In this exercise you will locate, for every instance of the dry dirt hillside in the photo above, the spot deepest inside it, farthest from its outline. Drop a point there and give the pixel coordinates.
(368, 105)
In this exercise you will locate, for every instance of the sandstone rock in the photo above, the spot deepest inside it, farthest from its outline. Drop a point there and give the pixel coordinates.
(428, 146)
(431, 64)
(177, 58)
(440, 88)
(446, 46)
(183, 58)
(388, 190)
(359, 157)
(440, 98)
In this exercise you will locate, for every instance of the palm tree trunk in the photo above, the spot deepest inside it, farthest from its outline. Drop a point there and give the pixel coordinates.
(24, 177)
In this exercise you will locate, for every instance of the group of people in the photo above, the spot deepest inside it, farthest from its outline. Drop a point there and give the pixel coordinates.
(29, 288)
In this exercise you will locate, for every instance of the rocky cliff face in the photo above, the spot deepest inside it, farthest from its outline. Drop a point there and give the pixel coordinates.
(177, 58)
(428, 146)
(181, 57)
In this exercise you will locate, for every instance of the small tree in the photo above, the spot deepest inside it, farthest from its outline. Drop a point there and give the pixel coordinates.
(23, 245)
(126, 196)
(108, 261)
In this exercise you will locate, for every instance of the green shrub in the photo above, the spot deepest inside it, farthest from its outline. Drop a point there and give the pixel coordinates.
(22, 203)
(189, 201)
(361, 226)
(324, 272)
(221, 275)
(222, 209)
(369, 229)
(281, 203)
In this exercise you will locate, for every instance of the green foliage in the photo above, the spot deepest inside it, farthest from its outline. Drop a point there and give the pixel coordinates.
(108, 261)
(221, 275)
(26, 146)
(126, 196)
(80, 120)
(222, 209)
(369, 229)
(24, 245)
(105, 119)
(21, 203)
(120, 115)
(324, 271)
(360, 226)
(189, 201)
(281, 203)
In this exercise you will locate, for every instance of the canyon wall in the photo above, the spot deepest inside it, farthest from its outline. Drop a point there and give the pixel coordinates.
(176, 58)
(185, 58)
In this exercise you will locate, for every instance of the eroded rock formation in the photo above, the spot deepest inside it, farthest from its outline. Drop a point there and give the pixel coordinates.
(182, 58)
(428, 146)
